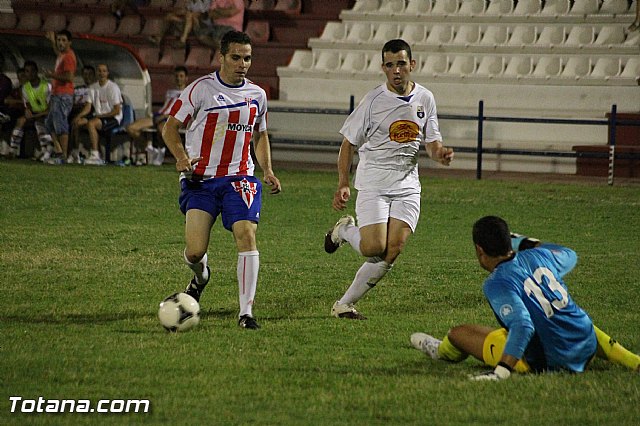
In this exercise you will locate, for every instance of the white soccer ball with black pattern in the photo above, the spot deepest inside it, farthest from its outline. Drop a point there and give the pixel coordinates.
(179, 312)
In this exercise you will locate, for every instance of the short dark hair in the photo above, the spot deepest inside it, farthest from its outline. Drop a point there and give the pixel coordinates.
(233, 37)
(90, 68)
(31, 64)
(64, 33)
(492, 234)
(181, 68)
(395, 46)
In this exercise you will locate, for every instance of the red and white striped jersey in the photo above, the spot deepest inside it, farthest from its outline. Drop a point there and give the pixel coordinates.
(170, 98)
(220, 120)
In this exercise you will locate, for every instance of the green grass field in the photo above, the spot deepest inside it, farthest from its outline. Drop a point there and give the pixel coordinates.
(88, 253)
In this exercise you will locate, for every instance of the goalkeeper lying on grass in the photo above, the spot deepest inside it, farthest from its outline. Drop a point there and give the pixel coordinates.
(543, 329)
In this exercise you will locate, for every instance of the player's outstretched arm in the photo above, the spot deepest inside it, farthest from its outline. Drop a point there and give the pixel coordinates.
(345, 159)
(263, 155)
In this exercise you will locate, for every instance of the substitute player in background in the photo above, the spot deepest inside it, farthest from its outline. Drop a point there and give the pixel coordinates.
(543, 329)
(221, 112)
(387, 128)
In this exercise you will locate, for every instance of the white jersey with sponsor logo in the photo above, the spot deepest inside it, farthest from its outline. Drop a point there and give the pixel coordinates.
(170, 98)
(388, 129)
(220, 120)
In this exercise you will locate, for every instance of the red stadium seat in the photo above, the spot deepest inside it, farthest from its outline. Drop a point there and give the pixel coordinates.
(79, 24)
(130, 25)
(262, 4)
(289, 6)
(199, 57)
(152, 26)
(104, 25)
(8, 21)
(172, 57)
(55, 22)
(29, 21)
(258, 31)
(150, 55)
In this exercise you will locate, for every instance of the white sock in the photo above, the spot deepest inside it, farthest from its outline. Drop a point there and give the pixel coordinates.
(248, 265)
(366, 278)
(351, 234)
(199, 268)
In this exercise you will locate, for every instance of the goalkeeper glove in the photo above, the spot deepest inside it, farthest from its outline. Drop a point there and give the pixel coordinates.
(501, 372)
(521, 242)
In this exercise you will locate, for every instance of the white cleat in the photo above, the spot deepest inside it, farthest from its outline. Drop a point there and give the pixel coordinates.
(427, 344)
(332, 238)
(346, 310)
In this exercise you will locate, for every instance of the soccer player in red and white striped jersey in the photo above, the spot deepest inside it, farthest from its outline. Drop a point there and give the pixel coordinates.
(222, 112)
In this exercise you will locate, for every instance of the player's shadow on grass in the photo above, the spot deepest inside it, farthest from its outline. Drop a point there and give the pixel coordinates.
(94, 319)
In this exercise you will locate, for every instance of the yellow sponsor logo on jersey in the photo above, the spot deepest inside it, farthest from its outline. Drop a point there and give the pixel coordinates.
(403, 131)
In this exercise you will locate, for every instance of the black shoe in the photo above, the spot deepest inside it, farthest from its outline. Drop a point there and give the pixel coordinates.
(194, 289)
(329, 245)
(332, 240)
(247, 321)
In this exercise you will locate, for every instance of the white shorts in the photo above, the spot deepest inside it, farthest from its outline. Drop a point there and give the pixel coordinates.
(372, 207)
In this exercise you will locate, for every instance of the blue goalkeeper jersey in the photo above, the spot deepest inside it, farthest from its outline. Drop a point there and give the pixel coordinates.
(546, 327)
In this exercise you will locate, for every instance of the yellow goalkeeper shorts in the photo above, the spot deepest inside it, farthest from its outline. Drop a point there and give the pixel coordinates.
(494, 346)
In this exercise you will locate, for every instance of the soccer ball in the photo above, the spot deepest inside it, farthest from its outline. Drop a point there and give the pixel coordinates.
(179, 312)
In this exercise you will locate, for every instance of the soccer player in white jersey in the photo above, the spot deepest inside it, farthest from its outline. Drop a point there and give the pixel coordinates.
(222, 111)
(387, 128)
(135, 129)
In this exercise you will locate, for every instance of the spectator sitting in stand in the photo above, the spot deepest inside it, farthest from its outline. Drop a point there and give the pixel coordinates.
(184, 19)
(11, 107)
(81, 96)
(135, 129)
(223, 16)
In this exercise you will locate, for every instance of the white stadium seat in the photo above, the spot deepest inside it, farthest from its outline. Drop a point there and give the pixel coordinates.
(499, 7)
(631, 68)
(576, 67)
(434, 64)
(333, 32)
(522, 35)
(467, 34)
(391, 7)
(418, 7)
(366, 6)
(552, 35)
(462, 65)
(354, 62)
(555, 8)
(584, 7)
(610, 35)
(413, 33)
(439, 34)
(375, 63)
(359, 32)
(633, 39)
(547, 66)
(519, 66)
(445, 7)
(327, 60)
(606, 67)
(580, 36)
(490, 66)
(301, 60)
(614, 7)
(495, 35)
(471, 7)
(527, 7)
(384, 32)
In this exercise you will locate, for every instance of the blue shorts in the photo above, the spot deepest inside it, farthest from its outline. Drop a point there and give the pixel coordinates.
(58, 119)
(235, 197)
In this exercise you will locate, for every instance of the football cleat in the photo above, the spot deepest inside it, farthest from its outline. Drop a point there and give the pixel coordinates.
(346, 310)
(247, 321)
(194, 289)
(332, 238)
(427, 344)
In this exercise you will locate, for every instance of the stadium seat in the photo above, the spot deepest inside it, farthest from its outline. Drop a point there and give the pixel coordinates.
(161, 4)
(79, 24)
(375, 63)
(610, 35)
(466, 35)
(384, 32)
(495, 35)
(354, 62)
(462, 65)
(130, 25)
(152, 26)
(360, 32)
(580, 36)
(576, 67)
(547, 66)
(614, 7)
(366, 6)
(490, 66)
(29, 21)
(418, 7)
(327, 60)
(289, 6)
(439, 34)
(8, 21)
(499, 7)
(104, 25)
(527, 7)
(471, 7)
(631, 68)
(552, 35)
(150, 55)
(606, 67)
(172, 57)
(584, 7)
(413, 33)
(54, 22)
(444, 7)
(301, 60)
(259, 31)
(522, 35)
(518, 66)
(334, 32)
(262, 4)
(434, 64)
(555, 8)
(391, 7)
(199, 57)
(633, 39)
